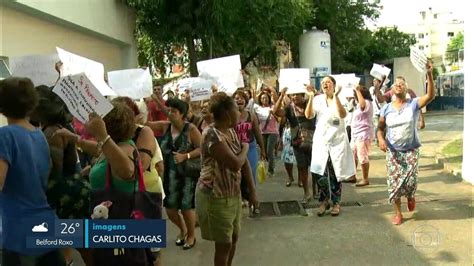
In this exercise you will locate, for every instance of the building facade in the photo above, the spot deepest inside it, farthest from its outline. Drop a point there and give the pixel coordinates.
(102, 30)
(433, 34)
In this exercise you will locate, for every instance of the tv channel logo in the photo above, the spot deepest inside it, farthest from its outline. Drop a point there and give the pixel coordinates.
(426, 237)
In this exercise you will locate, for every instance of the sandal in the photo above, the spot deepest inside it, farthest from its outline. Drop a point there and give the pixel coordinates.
(323, 208)
(397, 219)
(350, 180)
(187, 246)
(336, 209)
(362, 184)
(289, 182)
(411, 204)
(180, 241)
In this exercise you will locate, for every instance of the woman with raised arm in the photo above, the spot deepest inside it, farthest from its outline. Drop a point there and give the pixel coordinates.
(398, 137)
(331, 159)
(224, 163)
(302, 130)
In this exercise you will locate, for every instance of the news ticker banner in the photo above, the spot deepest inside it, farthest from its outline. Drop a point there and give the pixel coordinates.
(146, 233)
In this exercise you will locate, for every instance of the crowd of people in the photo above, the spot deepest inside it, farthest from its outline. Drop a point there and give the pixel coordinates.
(198, 159)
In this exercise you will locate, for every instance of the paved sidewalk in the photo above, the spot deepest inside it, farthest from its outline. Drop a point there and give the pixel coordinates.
(438, 232)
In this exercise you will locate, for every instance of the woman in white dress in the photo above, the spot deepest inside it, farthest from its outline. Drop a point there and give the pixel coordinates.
(332, 160)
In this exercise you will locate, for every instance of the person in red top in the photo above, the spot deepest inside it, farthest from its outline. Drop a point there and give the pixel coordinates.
(154, 113)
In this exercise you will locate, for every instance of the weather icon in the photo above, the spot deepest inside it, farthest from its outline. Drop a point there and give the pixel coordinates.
(42, 228)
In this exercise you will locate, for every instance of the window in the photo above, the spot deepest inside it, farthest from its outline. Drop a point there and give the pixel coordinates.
(421, 36)
(421, 47)
(427, 46)
(4, 72)
(450, 34)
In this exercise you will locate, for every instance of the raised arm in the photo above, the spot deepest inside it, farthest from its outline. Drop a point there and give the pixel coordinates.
(360, 98)
(309, 112)
(277, 110)
(340, 108)
(430, 94)
(118, 156)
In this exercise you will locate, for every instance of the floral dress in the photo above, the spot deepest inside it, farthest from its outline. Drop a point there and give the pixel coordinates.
(287, 155)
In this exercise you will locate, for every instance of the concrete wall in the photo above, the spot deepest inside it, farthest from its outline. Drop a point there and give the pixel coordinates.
(100, 30)
(402, 66)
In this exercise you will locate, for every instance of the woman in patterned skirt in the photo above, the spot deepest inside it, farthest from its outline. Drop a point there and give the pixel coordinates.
(398, 136)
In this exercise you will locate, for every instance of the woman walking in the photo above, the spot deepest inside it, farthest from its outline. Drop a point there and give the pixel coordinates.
(224, 163)
(331, 159)
(398, 136)
(362, 132)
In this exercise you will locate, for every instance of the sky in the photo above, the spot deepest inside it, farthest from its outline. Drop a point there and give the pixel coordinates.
(404, 12)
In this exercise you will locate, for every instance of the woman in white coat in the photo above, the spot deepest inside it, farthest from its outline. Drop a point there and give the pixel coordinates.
(332, 160)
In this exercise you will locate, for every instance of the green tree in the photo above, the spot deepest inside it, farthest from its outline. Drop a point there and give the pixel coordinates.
(389, 43)
(212, 28)
(456, 44)
(345, 21)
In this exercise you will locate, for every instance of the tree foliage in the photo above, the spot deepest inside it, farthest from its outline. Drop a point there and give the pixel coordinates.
(389, 43)
(215, 28)
(456, 44)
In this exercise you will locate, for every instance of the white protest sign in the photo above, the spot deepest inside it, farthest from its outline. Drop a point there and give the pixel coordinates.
(348, 82)
(39, 68)
(227, 86)
(74, 64)
(418, 59)
(294, 79)
(378, 71)
(199, 88)
(222, 70)
(133, 83)
(82, 97)
(259, 84)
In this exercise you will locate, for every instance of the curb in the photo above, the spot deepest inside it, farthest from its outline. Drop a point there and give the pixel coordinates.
(441, 113)
(442, 161)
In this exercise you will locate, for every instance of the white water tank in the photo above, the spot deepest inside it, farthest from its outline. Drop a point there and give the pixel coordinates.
(315, 52)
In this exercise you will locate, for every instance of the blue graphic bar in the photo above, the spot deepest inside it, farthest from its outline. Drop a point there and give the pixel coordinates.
(86, 233)
(43, 233)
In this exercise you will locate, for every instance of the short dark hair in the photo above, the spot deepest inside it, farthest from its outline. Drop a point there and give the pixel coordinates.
(129, 102)
(365, 93)
(51, 110)
(242, 94)
(220, 103)
(259, 99)
(18, 97)
(332, 79)
(120, 122)
(178, 104)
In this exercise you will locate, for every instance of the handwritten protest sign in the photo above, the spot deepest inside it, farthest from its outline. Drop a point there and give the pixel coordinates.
(82, 97)
(418, 59)
(39, 68)
(133, 83)
(348, 82)
(295, 79)
(224, 70)
(74, 64)
(199, 88)
(378, 71)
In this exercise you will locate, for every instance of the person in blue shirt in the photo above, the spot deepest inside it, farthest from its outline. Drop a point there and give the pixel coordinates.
(24, 170)
(398, 136)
